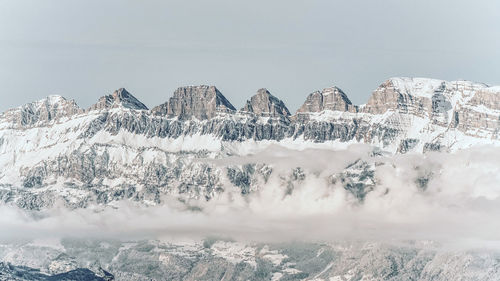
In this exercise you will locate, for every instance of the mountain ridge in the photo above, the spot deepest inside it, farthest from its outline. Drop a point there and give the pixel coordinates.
(119, 98)
(403, 114)
(467, 107)
(397, 82)
(53, 148)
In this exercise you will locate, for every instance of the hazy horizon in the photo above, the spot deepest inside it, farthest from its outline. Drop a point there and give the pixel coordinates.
(83, 50)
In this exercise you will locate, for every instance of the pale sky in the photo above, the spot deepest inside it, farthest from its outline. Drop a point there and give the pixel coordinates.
(85, 49)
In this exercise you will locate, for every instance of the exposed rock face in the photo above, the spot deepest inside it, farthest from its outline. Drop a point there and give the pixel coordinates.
(41, 112)
(265, 104)
(404, 95)
(201, 102)
(119, 98)
(196, 146)
(420, 96)
(489, 98)
(481, 111)
(332, 98)
(472, 108)
(115, 153)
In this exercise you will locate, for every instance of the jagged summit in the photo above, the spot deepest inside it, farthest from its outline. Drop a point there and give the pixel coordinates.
(137, 154)
(201, 102)
(53, 100)
(44, 110)
(332, 98)
(265, 104)
(420, 95)
(464, 105)
(119, 98)
(426, 87)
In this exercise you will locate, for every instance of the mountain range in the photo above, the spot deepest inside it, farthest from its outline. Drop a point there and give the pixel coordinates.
(118, 148)
(401, 152)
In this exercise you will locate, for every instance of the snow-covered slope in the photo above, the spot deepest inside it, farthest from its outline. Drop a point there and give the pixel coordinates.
(418, 161)
(213, 258)
(118, 149)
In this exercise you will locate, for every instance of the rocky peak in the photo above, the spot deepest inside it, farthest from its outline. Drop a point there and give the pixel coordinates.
(201, 102)
(45, 110)
(265, 104)
(331, 98)
(420, 96)
(119, 98)
(407, 95)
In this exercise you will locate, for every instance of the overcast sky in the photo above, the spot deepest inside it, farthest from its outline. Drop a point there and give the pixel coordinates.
(85, 49)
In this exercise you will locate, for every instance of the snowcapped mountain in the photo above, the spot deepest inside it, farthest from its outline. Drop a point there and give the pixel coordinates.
(118, 149)
(397, 154)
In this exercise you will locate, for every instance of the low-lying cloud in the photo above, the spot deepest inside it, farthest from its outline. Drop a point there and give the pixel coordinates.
(461, 202)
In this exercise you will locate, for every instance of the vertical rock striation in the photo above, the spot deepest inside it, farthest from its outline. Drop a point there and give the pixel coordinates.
(265, 104)
(202, 102)
(41, 112)
(119, 98)
(332, 98)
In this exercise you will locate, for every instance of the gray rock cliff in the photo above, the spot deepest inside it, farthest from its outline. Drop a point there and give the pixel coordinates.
(265, 104)
(119, 98)
(202, 102)
(331, 98)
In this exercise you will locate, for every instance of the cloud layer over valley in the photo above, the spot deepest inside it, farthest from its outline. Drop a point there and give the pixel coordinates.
(449, 197)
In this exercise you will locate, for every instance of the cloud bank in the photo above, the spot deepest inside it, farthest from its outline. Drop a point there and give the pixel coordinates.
(461, 202)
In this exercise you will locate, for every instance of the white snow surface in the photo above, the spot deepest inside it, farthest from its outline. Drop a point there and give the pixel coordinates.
(26, 147)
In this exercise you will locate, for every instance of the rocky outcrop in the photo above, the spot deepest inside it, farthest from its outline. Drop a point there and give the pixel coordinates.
(202, 102)
(41, 112)
(472, 108)
(196, 148)
(422, 96)
(119, 98)
(332, 98)
(480, 114)
(405, 95)
(265, 104)
(243, 127)
(53, 142)
(424, 111)
(488, 97)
